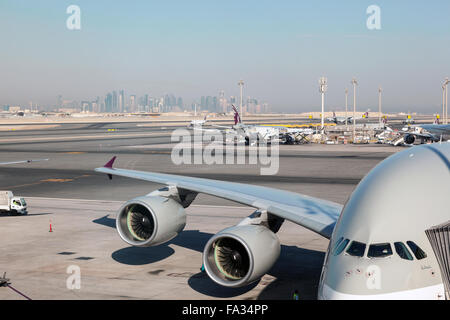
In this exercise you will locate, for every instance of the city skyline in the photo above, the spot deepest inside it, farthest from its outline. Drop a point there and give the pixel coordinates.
(121, 101)
(280, 50)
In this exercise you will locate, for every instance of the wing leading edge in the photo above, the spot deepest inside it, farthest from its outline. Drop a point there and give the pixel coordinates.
(314, 214)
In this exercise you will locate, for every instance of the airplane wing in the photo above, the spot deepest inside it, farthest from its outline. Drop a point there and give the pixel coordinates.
(219, 126)
(315, 214)
(22, 161)
(199, 128)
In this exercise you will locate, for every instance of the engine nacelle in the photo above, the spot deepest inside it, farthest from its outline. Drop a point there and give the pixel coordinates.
(150, 220)
(240, 255)
(409, 139)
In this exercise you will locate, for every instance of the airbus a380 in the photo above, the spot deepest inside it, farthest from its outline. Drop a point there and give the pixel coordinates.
(378, 247)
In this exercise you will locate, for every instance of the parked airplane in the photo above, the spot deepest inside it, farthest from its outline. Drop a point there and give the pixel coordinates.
(341, 120)
(378, 247)
(428, 132)
(197, 123)
(249, 132)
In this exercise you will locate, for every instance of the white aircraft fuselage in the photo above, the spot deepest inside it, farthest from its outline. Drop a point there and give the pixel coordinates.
(378, 248)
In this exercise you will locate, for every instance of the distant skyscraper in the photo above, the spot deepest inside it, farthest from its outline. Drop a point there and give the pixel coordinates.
(215, 104)
(114, 102)
(109, 103)
(180, 102)
(133, 103)
(172, 101)
(121, 106)
(209, 103)
(203, 102)
(223, 103)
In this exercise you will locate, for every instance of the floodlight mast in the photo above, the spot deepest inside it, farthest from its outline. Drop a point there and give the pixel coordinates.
(241, 85)
(445, 106)
(322, 89)
(379, 105)
(346, 108)
(355, 83)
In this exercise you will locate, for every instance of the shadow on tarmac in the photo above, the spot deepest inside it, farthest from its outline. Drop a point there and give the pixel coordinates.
(6, 214)
(296, 268)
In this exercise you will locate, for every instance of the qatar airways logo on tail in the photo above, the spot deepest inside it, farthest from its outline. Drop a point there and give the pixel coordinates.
(218, 148)
(237, 118)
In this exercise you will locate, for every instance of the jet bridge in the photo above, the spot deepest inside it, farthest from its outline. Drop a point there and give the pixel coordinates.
(439, 237)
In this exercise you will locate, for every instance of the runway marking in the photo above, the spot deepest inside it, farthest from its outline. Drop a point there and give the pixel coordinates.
(74, 152)
(134, 135)
(47, 180)
(56, 180)
(156, 152)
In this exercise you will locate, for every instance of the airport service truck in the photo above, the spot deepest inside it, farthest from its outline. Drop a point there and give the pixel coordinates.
(11, 204)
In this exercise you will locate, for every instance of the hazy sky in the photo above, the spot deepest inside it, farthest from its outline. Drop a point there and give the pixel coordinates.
(194, 48)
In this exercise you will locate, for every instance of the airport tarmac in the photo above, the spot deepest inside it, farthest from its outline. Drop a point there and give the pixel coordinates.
(83, 235)
(81, 205)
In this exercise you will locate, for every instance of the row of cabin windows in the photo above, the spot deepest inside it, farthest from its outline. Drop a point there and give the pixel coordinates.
(378, 250)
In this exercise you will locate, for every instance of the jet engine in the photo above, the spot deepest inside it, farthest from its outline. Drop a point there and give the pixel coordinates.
(150, 220)
(240, 255)
(409, 139)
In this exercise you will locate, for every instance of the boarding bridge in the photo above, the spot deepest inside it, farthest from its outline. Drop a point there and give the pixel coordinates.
(439, 237)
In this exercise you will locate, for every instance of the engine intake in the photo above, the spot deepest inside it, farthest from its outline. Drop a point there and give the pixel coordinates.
(240, 255)
(150, 220)
(409, 139)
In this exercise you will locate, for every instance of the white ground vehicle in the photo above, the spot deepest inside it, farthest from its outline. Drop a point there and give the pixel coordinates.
(11, 204)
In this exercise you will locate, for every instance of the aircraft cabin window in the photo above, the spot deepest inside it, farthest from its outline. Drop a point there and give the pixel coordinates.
(402, 251)
(341, 247)
(379, 250)
(356, 249)
(418, 253)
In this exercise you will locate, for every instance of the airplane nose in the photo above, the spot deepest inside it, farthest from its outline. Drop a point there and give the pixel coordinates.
(327, 293)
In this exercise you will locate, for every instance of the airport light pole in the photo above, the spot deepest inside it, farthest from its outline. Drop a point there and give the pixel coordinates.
(443, 103)
(354, 82)
(346, 108)
(445, 109)
(379, 106)
(241, 85)
(322, 90)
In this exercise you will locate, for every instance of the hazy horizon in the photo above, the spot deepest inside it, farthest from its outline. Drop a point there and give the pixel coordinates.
(198, 48)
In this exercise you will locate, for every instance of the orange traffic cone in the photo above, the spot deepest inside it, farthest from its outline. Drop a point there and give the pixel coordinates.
(50, 226)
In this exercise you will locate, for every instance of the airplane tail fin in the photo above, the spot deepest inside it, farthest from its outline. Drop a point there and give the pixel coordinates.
(237, 117)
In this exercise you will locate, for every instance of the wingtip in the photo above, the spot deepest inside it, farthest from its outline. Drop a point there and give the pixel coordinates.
(110, 163)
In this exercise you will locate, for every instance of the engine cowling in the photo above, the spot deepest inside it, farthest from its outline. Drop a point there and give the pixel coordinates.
(240, 255)
(150, 220)
(409, 139)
